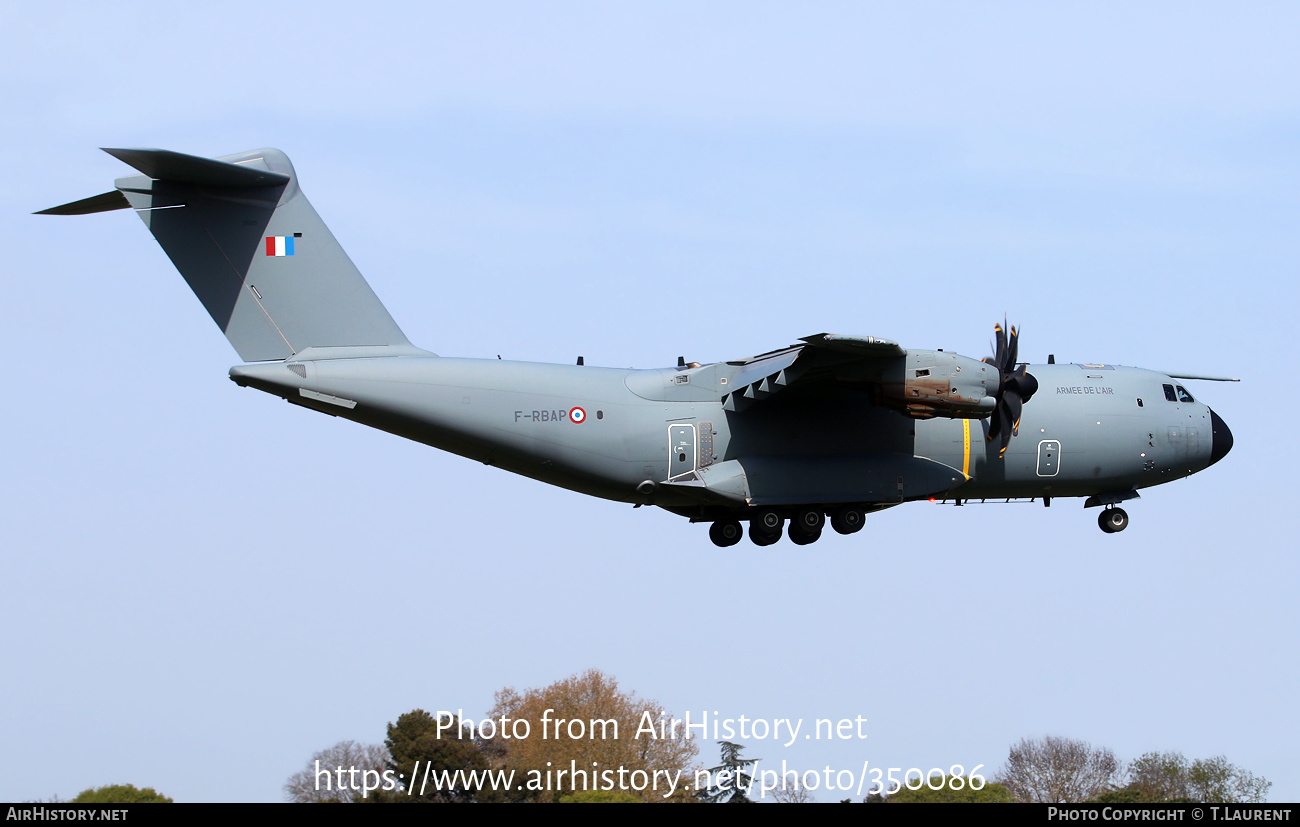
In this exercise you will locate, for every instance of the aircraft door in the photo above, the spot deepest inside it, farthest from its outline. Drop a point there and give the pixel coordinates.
(681, 450)
(1049, 458)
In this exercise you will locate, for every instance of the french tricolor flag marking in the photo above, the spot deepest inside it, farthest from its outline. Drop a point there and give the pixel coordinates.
(279, 245)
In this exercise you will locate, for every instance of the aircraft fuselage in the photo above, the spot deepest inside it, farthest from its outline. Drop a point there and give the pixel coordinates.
(664, 437)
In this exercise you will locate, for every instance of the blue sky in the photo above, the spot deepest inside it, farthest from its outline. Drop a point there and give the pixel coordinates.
(206, 586)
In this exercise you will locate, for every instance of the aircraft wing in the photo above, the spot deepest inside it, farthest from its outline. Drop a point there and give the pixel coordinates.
(823, 359)
(867, 347)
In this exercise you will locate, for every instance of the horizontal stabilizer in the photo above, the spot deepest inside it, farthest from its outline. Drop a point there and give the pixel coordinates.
(103, 202)
(165, 165)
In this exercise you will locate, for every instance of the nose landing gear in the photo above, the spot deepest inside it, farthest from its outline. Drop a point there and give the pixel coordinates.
(1113, 520)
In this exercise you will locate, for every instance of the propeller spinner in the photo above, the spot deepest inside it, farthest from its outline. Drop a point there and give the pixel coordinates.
(1014, 390)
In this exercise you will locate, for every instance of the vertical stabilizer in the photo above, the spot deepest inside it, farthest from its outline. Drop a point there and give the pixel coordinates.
(250, 245)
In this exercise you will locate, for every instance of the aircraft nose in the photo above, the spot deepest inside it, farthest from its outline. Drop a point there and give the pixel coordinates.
(1222, 441)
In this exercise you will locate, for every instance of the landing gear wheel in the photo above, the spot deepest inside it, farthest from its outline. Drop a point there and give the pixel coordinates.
(1113, 520)
(848, 519)
(802, 538)
(765, 527)
(768, 521)
(809, 521)
(726, 533)
(761, 537)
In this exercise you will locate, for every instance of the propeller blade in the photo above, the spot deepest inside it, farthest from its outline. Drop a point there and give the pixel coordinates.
(1014, 408)
(1006, 433)
(1015, 387)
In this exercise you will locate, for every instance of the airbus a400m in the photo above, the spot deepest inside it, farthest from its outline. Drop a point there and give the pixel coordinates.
(826, 430)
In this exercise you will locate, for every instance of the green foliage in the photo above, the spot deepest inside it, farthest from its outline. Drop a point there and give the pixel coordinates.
(1169, 777)
(121, 794)
(1129, 795)
(1158, 777)
(731, 778)
(1215, 780)
(415, 747)
(990, 793)
(600, 797)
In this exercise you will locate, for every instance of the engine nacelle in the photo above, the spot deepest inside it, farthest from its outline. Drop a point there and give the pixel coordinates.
(934, 383)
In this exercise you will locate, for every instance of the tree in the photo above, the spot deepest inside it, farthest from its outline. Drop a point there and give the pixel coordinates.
(990, 793)
(1214, 780)
(601, 797)
(732, 780)
(361, 767)
(585, 733)
(1124, 795)
(418, 751)
(1159, 776)
(121, 794)
(1056, 770)
(794, 793)
(1168, 776)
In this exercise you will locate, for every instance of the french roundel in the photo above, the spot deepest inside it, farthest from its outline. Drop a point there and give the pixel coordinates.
(577, 416)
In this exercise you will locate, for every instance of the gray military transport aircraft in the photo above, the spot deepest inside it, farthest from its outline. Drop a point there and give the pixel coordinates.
(833, 427)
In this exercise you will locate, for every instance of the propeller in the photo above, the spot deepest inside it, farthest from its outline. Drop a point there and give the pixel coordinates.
(1015, 388)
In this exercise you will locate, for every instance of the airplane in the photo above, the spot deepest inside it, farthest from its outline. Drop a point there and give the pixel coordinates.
(829, 429)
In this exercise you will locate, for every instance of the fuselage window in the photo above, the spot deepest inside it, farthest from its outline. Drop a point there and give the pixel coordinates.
(1183, 395)
(1169, 393)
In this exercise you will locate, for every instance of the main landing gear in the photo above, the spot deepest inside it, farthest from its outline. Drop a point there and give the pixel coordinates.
(726, 533)
(765, 528)
(1113, 520)
(805, 526)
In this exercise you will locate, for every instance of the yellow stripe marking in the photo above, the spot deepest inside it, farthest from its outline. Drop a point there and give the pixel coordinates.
(965, 463)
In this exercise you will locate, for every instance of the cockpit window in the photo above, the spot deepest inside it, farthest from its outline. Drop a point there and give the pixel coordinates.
(1183, 395)
(1169, 393)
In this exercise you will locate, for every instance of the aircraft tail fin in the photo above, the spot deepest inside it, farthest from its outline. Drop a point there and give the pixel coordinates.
(250, 245)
